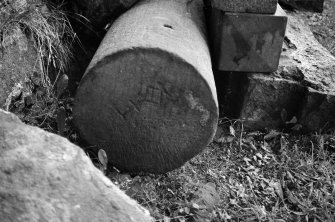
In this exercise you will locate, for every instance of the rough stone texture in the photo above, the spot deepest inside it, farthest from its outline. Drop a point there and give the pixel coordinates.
(318, 110)
(43, 177)
(266, 97)
(309, 5)
(101, 12)
(245, 42)
(249, 6)
(18, 62)
(303, 86)
(148, 97)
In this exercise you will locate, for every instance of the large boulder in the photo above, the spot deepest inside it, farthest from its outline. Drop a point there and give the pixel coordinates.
(303, 86)
(43, 177)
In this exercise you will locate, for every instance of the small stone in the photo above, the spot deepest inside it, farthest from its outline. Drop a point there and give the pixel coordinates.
(43, 177)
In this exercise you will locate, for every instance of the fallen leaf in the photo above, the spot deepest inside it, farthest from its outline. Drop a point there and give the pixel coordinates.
(272, 134)
(296, 127)
(278, 189)
(294, 120)
(62, 84)
(102, 155)
(232, 131)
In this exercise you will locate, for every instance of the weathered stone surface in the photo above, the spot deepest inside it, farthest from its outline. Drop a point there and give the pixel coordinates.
(18, 62)
(318, 110)
(148, 97)
(101, 12)
(309, 5)
(302, 87)
(249, 6)
(245, 42)
(266, 97)
(43, 177)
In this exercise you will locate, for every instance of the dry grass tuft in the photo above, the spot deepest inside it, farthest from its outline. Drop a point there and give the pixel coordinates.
(48, 28)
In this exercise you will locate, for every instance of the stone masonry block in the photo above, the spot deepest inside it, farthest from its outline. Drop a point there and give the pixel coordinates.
(318, 110)
(302, 88)
(246, 42)
(248, 6)
(266, 97)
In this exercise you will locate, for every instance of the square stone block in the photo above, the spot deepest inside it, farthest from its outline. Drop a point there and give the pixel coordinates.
(248, 6)
(246, 42)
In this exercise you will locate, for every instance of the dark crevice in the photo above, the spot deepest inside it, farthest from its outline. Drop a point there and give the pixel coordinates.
(168, 26)
(231, 89)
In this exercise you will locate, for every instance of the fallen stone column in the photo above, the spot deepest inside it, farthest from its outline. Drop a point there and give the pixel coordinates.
(148, 98)
(43, 177)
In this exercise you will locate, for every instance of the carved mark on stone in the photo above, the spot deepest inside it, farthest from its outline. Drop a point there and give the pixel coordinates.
(159, 95)
(137, 105)
(168, 26)
(121, 114)
(152, 94)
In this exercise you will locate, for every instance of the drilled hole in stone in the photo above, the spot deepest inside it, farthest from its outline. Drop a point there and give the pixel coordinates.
(168, 26)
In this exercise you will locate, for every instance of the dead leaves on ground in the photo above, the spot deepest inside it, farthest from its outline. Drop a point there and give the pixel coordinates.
(245, 176)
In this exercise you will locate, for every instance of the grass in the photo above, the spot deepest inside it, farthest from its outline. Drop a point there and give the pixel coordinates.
(48, 28)
(250, 177)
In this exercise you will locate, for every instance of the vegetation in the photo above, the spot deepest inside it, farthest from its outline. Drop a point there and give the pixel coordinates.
(47, 27)
(43, 23)
(241, 176)
(245, 177)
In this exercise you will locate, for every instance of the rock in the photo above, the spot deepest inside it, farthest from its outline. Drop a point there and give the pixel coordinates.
(18, 61)
(303, 85)
(309, 5)
(101, 12)
(204, 201)
(266, 97)
(246, 42)
(249, 6)
(43, 177)
(318, 110)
